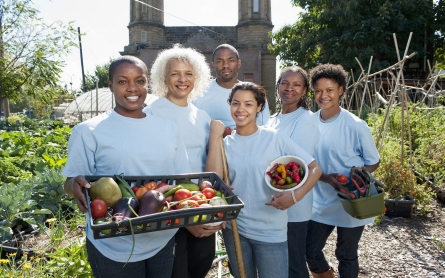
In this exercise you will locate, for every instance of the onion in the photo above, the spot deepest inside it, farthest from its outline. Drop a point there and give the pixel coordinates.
(205, 184)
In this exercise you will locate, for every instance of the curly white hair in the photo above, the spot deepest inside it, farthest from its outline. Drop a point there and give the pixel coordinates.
(198, 62)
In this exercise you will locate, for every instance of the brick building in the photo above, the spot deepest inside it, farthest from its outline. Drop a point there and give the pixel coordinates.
(148, 35)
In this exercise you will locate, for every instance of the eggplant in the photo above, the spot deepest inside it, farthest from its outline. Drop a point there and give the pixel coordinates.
(151, 202)
(122, 208)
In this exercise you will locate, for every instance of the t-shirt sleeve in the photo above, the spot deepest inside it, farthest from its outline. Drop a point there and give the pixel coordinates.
(293, 148)
(80, 156)
(306, 135)
(368, 149)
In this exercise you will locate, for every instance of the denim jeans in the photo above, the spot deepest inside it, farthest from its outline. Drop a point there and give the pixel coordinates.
(296, 241)
(158, 266)
(263, 259)
(345, 251)
(193, 255)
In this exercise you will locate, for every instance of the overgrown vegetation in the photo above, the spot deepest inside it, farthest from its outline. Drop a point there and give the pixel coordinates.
(428, 150)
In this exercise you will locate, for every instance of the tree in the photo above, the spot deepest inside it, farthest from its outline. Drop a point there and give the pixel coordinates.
(31, 52)
(339, 31)
(100, 74)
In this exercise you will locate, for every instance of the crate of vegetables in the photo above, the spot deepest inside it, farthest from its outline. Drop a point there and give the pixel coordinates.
(123, 205)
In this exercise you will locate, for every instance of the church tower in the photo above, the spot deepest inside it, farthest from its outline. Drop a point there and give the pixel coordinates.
(254, 22)
(148, 35)
(254, 25)
(146, 27)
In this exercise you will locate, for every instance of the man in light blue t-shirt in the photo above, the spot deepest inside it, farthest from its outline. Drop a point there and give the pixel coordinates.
(226, 63)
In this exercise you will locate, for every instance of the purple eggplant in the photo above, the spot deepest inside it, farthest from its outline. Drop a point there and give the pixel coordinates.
(121, 207)
(151, 202)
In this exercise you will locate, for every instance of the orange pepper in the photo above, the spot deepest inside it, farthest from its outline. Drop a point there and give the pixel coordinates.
(282, 170)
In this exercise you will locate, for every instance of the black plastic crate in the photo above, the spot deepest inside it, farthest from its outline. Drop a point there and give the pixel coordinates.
(400, 208)
(169, 219)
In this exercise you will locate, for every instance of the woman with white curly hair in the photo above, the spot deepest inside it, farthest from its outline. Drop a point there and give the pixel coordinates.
(178, 76)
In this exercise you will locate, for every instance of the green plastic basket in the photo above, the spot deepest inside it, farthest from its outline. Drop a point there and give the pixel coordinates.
(364, 207)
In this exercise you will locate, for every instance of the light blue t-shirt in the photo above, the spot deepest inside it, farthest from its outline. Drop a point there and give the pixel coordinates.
(194, 128)
(248, 158)
(112, 144)
(214, 102)
(344, 143)
(301, 126)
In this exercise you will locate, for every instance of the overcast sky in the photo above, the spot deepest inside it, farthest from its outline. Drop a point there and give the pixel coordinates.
(105, 22)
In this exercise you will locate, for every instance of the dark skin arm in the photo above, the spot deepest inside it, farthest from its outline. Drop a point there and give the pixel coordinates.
(331, 178)
(74, 188)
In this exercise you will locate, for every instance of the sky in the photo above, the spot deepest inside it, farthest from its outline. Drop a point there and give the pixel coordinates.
(104, 25)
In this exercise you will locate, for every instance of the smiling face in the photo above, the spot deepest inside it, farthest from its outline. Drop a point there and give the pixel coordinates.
(327, 95)
(291, 88)
(129, 85)
(226, 65)
(180, 80)
(244, 109)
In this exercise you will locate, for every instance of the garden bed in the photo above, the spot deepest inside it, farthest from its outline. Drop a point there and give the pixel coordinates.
(398, 247)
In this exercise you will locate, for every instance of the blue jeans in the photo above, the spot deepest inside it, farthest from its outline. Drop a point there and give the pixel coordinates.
(296, 242)
(263, 259)
(158, 266)
(345, 251)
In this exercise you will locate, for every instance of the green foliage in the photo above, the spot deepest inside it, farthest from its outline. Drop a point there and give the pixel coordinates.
(70, 261)
(30, 151)
(17, 209)
(428, 146)
(10, 172)
(32, 52)
(47, 190)
(338, 31)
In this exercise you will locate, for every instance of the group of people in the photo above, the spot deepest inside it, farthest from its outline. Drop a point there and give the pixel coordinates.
(281, 234)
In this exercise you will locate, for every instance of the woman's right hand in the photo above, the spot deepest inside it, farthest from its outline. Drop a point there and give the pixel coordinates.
(74, 187)
(217, 128)
(331, 179)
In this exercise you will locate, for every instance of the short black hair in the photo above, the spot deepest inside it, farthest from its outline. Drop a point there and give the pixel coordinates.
(225, 46)
(329, 71)
(258, 91)
(122, 60)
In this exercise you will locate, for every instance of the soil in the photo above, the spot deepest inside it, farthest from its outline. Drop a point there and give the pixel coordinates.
(398, 247)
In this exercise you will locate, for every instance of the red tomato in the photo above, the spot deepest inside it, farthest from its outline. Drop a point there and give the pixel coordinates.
(151, 185)
(98, 208)
(182, 194)
(208, 192)
(135, 188)
(342, 178)
(177, 221)
(200, 198)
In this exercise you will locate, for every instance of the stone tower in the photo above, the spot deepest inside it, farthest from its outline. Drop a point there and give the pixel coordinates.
(148, 35)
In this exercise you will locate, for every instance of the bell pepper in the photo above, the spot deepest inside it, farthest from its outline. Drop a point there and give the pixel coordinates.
(272, 171)
(282, 170)
(292, 166)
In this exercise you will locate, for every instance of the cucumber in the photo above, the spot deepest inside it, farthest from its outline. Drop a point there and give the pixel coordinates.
(190, 186)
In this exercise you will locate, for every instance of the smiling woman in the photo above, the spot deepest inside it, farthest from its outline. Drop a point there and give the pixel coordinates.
(178, 75)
